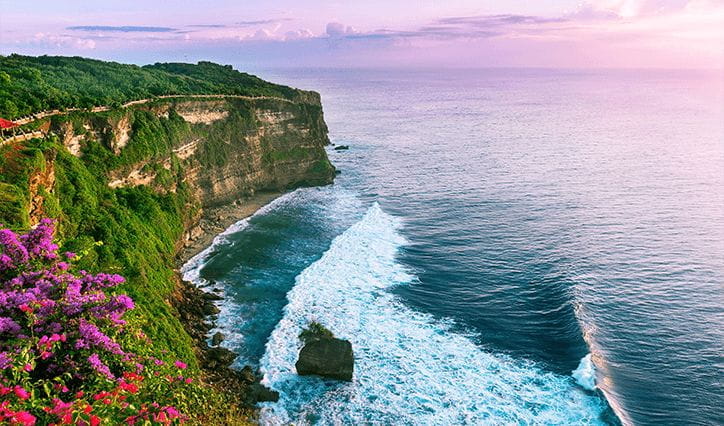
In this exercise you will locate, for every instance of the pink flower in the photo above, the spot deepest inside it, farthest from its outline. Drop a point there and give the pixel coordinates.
(28, 367)
(180, 365)
(172, 412)
(24, 418)
(21, 393)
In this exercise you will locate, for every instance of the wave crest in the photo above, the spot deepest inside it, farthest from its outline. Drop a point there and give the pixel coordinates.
(408, 367)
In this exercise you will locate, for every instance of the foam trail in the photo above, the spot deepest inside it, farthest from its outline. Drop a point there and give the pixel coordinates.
(409, 368)
(333, 204)
(585, 374)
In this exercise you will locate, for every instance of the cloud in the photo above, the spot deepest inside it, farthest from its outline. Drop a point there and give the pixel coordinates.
(122, 29)
(336, 30)
(449, 28)
(207, 26)
(261, 35)
(298, 34)
(629, 9)
(487, 21)
(261, 22)
(63, 41)
(620, 8)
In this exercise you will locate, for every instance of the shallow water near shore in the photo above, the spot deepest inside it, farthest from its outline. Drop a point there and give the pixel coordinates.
(498, 243)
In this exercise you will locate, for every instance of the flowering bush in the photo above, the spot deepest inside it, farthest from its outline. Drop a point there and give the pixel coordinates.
(60, 357)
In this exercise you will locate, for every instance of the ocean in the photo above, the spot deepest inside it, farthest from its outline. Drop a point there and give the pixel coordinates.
(501, 247)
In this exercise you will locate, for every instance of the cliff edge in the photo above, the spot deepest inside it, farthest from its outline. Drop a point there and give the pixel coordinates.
(127, 159)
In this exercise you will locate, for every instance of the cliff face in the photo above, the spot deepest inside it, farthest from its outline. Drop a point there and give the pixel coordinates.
(139, 178)
(224, 149)
(128, 159)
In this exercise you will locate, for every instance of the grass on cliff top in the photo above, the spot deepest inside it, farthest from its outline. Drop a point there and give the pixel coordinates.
(32, 84)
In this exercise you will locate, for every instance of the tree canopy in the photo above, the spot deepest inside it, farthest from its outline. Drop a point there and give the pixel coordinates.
(33, 84)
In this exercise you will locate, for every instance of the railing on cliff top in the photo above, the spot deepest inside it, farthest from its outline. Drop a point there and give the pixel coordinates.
(23, 136)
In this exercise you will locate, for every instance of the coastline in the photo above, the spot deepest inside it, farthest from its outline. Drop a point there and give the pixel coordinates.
(197, 308)
(216, 220)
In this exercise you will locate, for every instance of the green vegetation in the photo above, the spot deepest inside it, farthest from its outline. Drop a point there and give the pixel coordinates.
(17, 164)
(138, 229)
(315, 331)
(33, 84)
(134, 231)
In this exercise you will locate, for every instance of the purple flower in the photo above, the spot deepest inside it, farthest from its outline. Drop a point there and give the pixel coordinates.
(14, 253)
(5, 360)
(7, 325)
(39, 241)
(95, 361)
(42, 305)
(92, 336)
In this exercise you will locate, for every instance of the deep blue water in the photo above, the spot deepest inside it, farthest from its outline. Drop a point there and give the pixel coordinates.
(489, 230)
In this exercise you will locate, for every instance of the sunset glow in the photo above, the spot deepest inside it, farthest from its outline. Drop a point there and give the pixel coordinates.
(459, 33)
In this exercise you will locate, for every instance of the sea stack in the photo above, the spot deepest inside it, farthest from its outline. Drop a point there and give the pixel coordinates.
(325, 355)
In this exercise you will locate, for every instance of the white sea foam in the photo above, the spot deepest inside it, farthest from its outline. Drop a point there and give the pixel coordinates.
(585, 374)
(409, 368)
(336, 204)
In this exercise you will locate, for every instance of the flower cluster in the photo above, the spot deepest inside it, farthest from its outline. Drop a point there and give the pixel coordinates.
(68, 319)
(60, 358)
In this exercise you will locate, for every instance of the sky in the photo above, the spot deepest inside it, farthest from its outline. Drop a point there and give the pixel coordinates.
(374, 33)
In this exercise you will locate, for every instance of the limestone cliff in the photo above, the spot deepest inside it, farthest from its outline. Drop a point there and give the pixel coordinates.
(128, 159)
(225, 149)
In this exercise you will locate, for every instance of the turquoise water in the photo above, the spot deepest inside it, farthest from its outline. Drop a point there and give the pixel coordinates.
(502, 247)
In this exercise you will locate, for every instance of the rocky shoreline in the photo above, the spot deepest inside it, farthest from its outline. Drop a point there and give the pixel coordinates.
(197, 312)
(197, 309)
(216, 220)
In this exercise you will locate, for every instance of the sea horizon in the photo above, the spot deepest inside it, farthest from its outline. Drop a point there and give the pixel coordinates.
(359, 213)
(339, 113)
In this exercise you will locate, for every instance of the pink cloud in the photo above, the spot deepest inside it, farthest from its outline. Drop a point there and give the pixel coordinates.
(335, 29)
(50, 40)
(616, 33)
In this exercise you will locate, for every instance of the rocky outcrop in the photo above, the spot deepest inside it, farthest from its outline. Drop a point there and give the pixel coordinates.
(217, 338)
(40, 182)
(228, 149)
(324, 355)
(121, 135)
(205, 112)
(193, 304)
(327, 357)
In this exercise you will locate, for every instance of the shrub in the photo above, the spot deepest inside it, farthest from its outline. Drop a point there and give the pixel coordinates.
(60, 356)
(315, 331)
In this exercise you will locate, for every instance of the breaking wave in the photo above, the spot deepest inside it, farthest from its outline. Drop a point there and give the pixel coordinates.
(409, 367)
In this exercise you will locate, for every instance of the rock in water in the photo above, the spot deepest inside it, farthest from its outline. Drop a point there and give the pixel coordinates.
(327, 357)
(217, 338)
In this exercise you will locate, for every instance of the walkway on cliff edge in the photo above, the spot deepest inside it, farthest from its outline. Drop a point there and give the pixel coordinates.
(45, 114)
